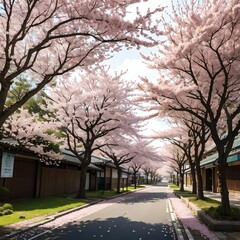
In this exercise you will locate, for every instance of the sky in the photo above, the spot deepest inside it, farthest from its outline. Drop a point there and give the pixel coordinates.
(122, 59)
(131, 61)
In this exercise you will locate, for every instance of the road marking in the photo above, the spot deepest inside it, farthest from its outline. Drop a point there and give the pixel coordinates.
(45, 232)
(175, 222)
(38, 235)
(190, 237)
(167, 206)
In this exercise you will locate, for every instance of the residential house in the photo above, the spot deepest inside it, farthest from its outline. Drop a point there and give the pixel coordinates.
(209, 171)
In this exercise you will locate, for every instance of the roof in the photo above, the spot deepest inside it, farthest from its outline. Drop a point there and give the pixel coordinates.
(99, 160)
(68, 156)
(233, 156)
(235, 149)
(13, 146)
(94, 167)
(10, 142)
(110, 164)
(213, 158)
(210, 159)
(236, 143)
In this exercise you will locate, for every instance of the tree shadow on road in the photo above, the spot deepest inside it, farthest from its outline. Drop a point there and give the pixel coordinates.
(119, 228)
(142, 197)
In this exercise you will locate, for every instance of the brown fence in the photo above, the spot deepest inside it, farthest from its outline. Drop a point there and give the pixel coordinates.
(34, 179)
(55, 181)
(22, 184)
(233, 179)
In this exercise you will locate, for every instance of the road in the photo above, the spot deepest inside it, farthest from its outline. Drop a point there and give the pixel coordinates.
(142, 215)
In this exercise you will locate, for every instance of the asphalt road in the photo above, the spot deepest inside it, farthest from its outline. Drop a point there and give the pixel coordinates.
(142, 215)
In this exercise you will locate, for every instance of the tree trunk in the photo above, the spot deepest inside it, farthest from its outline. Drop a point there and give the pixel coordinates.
(182, 181)
(81, 193)
(177, 179)
(224, 190)
(200, 194)
(194, 182)
(147, 177)
(118, 180)
(135, 180)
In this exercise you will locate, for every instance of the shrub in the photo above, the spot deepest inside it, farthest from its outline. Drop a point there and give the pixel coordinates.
(7, 212)
(1, 214)
(4, 192)
(216, 212)
(1, 209)
(7, 206)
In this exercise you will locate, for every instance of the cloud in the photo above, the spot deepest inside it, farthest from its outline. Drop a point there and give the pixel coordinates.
(143, 7)
(135, 68)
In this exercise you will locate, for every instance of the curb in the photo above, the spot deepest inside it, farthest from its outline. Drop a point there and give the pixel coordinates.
(213, 224)
(219, 225)
(179, 229)
(48, 219)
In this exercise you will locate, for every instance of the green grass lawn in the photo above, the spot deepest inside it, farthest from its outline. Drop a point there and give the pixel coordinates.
(187, 194)
(32, 208)
(101, 194)
(205, 204)
(212, 207)
(173, 186)
(138, 187)
(216, 213)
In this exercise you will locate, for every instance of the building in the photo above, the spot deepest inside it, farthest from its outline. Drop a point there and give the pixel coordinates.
(210, 175)
(26, 176)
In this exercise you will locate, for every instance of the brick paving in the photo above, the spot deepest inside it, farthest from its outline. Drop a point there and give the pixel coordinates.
(189, 220)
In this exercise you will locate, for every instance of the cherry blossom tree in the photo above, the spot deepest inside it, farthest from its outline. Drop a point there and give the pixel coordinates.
(198, 68)
(128, 151)
(146, 169)
(191, 137)
(88, 108)
(149, 167)
(134, 166)
(176, 158)
(153, 174)
(196, 146)
(180, 158)
(119, 156)
(187, 133)
(31, 133)
(44, 39)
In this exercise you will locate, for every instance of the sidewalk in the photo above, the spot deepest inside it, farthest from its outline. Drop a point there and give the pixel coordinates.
(235, 201)
(217, 196)
(191, 225)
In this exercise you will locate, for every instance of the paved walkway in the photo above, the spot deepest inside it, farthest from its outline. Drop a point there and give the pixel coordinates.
(190, 222)
(235, 201)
